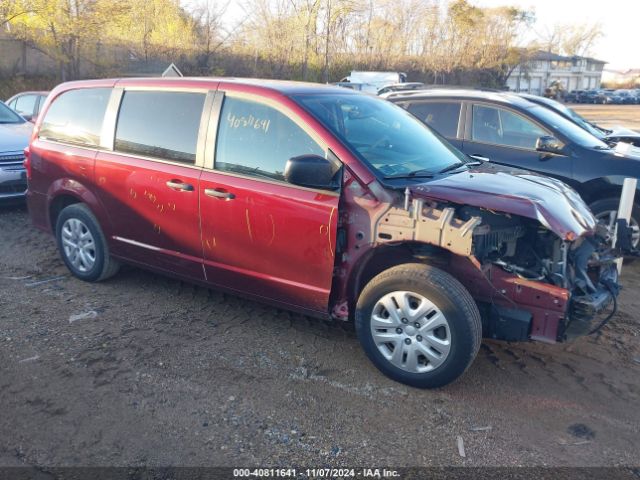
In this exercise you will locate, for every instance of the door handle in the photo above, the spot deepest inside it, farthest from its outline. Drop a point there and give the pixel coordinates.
(179, 185)
(475, 156)
(219, 193)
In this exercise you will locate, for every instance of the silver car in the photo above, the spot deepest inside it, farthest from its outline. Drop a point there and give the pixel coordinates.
(15, 132)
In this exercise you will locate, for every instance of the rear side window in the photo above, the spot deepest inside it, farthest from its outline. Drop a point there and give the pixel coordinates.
(443, 117)
(256, 139)
(160, 124)
(76, 117)
(26, 104)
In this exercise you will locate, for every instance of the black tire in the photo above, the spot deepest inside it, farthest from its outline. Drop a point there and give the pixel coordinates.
(609, 204)
(448, 295)
(104, 266)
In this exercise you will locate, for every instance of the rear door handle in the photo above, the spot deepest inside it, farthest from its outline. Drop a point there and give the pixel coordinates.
(180, 185)
(219, 193)
(475, 156)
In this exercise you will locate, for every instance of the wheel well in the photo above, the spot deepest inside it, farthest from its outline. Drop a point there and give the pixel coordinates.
(387, 256)
(601, 194)
(57, 205)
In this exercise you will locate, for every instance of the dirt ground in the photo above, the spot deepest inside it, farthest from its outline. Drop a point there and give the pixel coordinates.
(146, 370)
(609, 116)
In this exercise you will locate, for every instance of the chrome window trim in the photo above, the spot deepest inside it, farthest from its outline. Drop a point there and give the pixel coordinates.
(153, 159)
(108, 132)
(212, 131)
(91, 148)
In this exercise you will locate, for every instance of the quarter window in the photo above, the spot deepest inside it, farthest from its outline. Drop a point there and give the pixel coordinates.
(160, 124)
(502, 127)
(255, 139)
(443, 117)
(76, 117)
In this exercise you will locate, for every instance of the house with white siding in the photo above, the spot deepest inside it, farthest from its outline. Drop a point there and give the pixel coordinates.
(544, 68)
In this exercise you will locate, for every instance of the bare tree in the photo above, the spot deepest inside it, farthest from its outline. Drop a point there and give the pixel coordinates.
(570, 39)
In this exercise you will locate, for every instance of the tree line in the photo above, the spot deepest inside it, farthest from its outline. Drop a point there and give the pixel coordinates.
(436, 41)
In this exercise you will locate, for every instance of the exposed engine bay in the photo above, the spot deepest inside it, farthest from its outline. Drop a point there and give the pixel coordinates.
(530, 251)
(510, 250)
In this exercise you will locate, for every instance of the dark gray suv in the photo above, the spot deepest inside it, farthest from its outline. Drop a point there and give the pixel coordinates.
(510, 130)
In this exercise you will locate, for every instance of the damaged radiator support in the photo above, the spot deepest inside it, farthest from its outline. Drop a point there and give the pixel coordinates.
(429, 225)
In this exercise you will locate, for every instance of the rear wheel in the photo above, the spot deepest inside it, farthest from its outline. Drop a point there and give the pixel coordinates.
(82, 244)
(418, 325)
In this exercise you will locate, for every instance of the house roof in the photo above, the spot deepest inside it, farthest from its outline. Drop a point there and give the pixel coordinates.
(551, 57)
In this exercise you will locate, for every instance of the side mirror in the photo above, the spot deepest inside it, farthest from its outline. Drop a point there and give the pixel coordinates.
(548, 144)
(311, 171)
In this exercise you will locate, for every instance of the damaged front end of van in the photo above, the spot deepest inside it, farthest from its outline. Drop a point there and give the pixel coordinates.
(526, 247)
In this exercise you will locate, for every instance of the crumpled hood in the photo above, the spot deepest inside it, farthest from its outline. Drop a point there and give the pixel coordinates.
(553, 203)
(14, 137)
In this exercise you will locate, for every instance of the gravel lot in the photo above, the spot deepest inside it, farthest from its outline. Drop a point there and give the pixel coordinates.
(148, 370)
(611, 115)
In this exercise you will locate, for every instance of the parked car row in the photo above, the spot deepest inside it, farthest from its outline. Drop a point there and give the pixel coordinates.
(604, 96)
(339, 205)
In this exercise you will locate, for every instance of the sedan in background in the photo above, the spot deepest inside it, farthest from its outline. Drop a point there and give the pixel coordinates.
(28, 104)
(15, 133)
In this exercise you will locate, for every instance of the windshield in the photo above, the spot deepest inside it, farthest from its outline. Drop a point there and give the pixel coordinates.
(567, 128)
(9, 116)
(383, 135)
(576, 118)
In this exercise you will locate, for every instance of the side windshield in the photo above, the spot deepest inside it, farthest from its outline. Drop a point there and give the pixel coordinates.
(8, 116)
(566, 127)
(576, 118)
(383, 135)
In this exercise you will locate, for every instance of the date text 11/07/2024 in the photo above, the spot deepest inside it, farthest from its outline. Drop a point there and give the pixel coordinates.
(315, 473)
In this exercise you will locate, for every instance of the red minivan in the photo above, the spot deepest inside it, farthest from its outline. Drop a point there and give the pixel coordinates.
(321, 200)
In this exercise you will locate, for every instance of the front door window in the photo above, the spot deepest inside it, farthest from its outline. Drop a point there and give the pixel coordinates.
(499, 126)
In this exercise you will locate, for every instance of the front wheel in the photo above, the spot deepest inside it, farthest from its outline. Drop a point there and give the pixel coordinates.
(418, 325)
